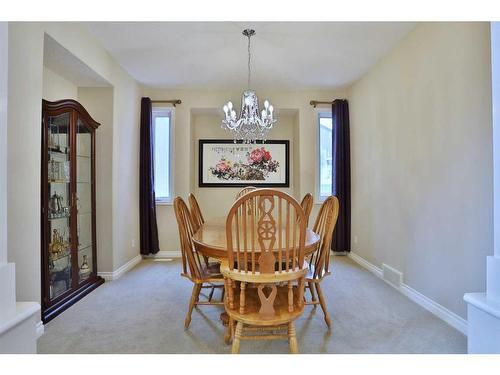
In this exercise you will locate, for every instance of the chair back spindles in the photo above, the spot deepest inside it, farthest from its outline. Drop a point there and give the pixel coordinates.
(275, 229)
(250, 207)
(195, 211)
(245, 190)
(324, 227)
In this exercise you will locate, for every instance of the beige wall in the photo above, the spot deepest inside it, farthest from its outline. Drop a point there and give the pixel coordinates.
(4, 39)
(421, 148)
(23, 160)
(56, 87)
(99, 103)
(125, 172)
(188, 125)
(24, 113)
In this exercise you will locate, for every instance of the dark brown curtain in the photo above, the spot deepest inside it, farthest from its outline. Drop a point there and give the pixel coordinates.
(147, 202)
(342, 174)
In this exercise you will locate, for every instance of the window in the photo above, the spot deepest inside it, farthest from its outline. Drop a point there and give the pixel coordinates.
(162, 128)
(325, 155)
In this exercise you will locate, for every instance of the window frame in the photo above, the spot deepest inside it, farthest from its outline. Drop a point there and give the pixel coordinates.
(321, 113)
(170, 112)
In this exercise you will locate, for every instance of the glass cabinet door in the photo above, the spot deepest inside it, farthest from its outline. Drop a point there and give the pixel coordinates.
(59, 202)
(84, 200)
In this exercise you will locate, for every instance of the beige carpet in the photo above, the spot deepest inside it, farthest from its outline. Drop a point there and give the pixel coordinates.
(143, 312)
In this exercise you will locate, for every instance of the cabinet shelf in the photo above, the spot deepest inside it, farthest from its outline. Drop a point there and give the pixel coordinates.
(59, 256)
(59, 217)
(84, 247)
(66, 123)
(58, 150)
(58, 153)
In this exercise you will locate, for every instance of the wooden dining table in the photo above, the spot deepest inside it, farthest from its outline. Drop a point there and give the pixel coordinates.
(210, 239)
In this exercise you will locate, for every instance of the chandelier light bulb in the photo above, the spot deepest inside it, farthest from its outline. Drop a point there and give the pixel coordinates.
(263, 113)
(266, 104)
(230, 105)
(225, 109)
(271, 109)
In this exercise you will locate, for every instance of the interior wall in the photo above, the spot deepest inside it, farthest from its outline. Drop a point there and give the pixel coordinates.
(98, 101)
(421, 161)
(4, 38)
(185, 147)
(125, 171)
(56, 87)
(23, 168)
(25, 87)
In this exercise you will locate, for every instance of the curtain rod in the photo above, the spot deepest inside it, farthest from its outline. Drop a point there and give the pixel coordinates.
(173, 101)
(314, 103)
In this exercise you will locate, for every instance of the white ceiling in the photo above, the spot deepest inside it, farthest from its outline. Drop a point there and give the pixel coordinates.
(286, 55)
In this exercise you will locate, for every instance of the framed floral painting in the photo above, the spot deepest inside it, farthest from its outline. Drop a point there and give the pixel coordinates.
(223, 163)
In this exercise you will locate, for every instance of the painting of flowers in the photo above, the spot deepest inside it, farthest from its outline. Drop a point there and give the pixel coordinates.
(225, 163)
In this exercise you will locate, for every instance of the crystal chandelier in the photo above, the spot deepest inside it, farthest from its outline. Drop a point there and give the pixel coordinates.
(251, 125)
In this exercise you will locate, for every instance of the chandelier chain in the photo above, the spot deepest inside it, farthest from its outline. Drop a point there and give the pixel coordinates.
(249, 65)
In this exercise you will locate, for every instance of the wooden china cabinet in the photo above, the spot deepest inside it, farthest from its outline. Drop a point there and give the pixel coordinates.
(68, 227)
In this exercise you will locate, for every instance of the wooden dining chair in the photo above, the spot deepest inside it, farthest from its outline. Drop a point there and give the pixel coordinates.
(195, 211)
(319, 261)
(265, 267)
(202, 275)
(307, 204)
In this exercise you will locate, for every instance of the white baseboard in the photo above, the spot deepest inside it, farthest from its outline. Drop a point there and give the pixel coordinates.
(109, 276)
(430, 305)
(40, 329)
(364, 263)
(164, 254)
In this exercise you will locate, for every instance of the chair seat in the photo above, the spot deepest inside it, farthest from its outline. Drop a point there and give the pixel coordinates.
(252, 307)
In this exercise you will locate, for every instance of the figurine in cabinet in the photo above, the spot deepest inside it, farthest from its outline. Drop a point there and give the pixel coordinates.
(54, 170)
(84, 268)
(58, 245)
(55, 204)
